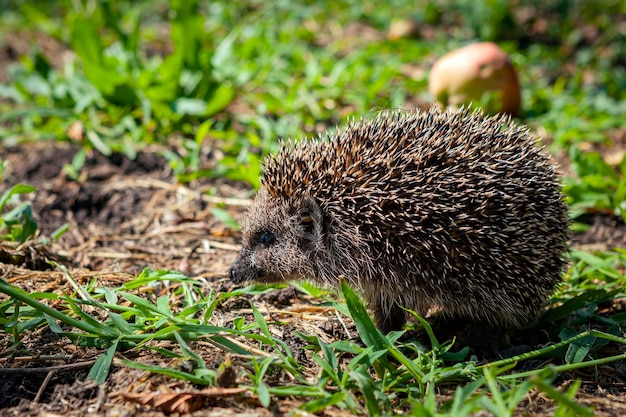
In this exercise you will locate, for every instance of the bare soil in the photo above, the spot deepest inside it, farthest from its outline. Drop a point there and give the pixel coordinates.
(126, 215)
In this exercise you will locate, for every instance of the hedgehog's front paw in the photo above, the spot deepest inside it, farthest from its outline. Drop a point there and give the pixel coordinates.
(388, 320)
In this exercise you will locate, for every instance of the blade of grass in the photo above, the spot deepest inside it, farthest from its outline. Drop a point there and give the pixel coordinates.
(166, 371)
(367, 388)
(187, 351)
(320, 404)
(20, 295)
(100, 370)
(559, 397)
(371, 336)
(16, 189)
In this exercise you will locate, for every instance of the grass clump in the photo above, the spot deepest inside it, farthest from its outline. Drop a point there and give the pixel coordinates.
(374, 373)
(231, 78)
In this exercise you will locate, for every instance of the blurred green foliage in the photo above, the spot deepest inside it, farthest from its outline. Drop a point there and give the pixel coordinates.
(241, 75)
(237, 76)
(16, 218)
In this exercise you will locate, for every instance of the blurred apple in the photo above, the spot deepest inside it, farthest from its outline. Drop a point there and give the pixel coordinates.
(480, 73)
(76, 131)
(403, 28)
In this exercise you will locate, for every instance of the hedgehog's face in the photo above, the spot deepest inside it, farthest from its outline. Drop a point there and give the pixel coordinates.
(279, 238)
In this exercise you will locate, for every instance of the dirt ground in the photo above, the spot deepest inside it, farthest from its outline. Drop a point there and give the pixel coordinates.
(126, 215)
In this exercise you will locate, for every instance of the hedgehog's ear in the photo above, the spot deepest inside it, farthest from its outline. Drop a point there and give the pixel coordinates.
(311, 218)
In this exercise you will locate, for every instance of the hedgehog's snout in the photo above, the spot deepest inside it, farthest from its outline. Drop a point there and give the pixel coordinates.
(242, 271)
(233, 274)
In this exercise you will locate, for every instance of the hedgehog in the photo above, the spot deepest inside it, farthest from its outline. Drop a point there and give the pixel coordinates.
(448, 213)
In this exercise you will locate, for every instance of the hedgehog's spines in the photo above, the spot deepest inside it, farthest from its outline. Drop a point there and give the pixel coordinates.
(450, 210)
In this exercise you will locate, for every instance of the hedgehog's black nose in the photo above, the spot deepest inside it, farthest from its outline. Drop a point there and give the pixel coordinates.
(241, 272)
(236, 275)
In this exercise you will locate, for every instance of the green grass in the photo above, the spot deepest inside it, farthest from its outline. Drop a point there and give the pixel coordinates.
(242, 75)
(373, 373)
(17, 224)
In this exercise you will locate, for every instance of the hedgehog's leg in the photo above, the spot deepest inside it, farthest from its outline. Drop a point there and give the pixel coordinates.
(389, 319)
(483, 339)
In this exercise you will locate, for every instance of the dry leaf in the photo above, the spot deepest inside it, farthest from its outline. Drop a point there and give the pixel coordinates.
(180, 402)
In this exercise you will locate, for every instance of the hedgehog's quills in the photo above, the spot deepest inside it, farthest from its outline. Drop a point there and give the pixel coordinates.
(453, 211)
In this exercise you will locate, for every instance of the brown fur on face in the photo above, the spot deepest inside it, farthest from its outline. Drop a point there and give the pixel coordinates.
(289, 239)
(454, 212)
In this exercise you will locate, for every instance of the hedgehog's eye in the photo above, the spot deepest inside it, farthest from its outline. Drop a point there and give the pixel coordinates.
(305, 217)
(267, 238)
(307, 221)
